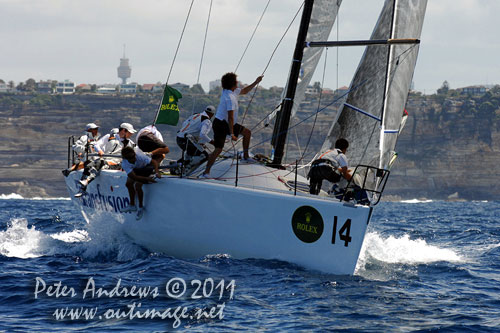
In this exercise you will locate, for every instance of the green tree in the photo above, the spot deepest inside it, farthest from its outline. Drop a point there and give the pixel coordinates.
(317, 86)
(2, 81)
(30, 85)
(444, 88)
(11, 84)
(197, 89)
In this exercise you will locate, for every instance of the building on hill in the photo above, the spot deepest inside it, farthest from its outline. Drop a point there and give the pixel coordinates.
(181, 87)
(128, 88)
(214, 85)
(65, 87)
(473, 90)
(106, 89)
(84, 88)
(153, 87)
(44, 87)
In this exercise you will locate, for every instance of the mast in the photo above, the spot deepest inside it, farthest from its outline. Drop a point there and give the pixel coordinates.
(283, 119)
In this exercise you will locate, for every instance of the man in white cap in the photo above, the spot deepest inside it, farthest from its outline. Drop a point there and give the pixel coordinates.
(109, 144)
(194, 133)
(125, 132)
(83, 146)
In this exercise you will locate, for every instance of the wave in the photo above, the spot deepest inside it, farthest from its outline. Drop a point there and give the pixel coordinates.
(402, 250)
(416, 201)
(101, 241)
(20, 197)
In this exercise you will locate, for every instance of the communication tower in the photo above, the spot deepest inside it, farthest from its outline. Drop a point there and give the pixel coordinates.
(124, 70)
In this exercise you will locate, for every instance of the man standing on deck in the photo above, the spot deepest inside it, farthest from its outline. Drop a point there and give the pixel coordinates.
(226, 119)
(330, 165)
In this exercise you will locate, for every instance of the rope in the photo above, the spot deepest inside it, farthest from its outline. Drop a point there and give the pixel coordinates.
(202, 53)
(175, 56)
(253, 33)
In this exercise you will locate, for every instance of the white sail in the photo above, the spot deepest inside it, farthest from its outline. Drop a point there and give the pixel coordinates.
(323, 16)
(380, 87)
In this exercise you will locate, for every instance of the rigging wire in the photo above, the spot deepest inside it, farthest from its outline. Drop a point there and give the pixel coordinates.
(175, 55)
(351, 89)
(269, 62)
(251, 37)
(202, 53)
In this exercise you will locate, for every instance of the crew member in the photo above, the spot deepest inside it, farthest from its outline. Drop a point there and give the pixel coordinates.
(150, 140)
(195, 128)
(139, 168)
(331, 165)
(226, 119)
(125, 132)
(83, 146)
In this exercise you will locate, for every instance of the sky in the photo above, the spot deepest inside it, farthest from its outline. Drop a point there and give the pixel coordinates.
(82, 41)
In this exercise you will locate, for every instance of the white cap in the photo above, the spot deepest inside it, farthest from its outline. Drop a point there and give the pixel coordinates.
(210, 108)
(91, 126)
(128, 127)
(114, 131)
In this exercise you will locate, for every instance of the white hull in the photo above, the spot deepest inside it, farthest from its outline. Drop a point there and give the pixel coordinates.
(190, 218)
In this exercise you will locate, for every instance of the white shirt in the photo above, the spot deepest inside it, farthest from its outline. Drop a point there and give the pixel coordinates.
(141, 160)
(107, 146)
(228, 102)
(197, 128)
(336, 156)
(152, 129)
(81, 144)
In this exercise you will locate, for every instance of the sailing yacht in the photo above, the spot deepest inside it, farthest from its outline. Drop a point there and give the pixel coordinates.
(264, 210)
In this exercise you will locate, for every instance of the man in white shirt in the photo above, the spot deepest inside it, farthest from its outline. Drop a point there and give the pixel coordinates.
(195, 128)
(150, 140)
(83, 146)
(108, 144)
(125, 132)
(226, 118)
(139, 169)
(330, 165)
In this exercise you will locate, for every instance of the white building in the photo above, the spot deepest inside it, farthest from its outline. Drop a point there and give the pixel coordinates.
(65, 87)
(128, 88)
(106, 89)
(4, 88)
(213, 85)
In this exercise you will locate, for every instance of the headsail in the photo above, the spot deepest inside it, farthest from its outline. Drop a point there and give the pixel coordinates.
(322, 18)
(380, 87)
(317, 21)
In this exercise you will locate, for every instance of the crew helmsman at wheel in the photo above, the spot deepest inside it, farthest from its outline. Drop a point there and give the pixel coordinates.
(196, 128)
(331, 165)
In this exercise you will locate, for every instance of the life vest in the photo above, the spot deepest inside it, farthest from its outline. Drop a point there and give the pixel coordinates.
(192, 125)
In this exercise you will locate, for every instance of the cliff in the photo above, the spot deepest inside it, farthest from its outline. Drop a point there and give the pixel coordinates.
(450, 143)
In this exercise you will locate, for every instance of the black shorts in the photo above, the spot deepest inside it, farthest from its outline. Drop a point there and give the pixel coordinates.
(146, 171)
(221, 130)
(148, 142)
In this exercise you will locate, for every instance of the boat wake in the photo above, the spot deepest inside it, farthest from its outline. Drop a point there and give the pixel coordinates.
(103, 242)
(378, 250)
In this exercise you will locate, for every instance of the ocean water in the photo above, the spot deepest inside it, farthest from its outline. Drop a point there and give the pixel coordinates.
(425, 266)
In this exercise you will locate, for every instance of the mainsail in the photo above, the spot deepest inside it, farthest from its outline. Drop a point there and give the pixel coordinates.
(372, 113)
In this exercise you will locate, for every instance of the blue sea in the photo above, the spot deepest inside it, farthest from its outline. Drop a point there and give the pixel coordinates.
(425, 266)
